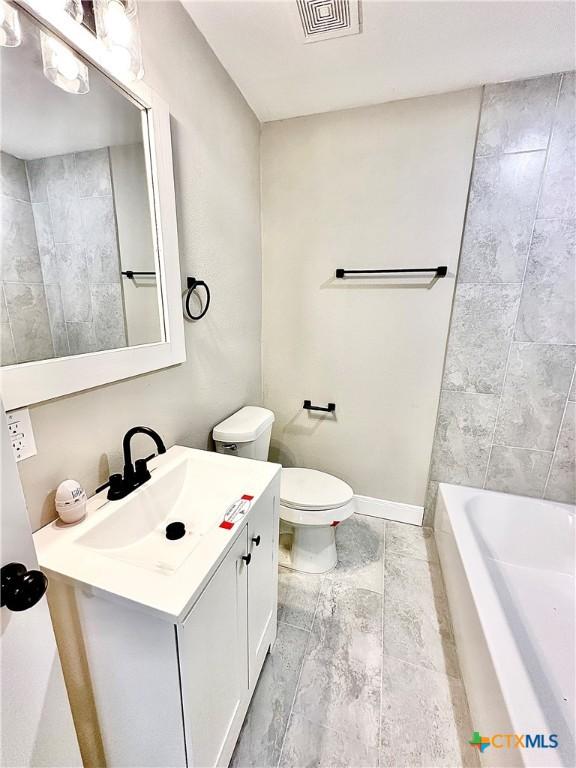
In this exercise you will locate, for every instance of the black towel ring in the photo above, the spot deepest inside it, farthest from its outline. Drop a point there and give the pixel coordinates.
(192, 284)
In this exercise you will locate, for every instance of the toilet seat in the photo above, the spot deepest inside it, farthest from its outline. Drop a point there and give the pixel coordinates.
(323, 517)
(313, 490)
(310, 497)
(314, 503)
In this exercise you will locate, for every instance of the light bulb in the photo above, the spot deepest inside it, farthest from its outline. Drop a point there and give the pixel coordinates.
(10, 32)
(62, 67)
(66, 62)
(120, 58)
(118, 26)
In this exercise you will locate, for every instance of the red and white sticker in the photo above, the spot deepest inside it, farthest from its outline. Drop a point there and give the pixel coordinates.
(236, 511)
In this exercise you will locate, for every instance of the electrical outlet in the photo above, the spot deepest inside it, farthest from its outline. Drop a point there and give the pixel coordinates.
(21, 435)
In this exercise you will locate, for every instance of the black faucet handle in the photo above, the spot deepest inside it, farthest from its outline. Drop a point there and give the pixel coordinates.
(142, 473)
(117, 487)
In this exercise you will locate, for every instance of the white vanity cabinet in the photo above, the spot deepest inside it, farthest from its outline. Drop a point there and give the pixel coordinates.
(163, 680)
(262, 590)
(224, 640)
(213, 654)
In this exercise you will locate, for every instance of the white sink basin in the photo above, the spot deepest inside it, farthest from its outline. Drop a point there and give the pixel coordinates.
(136, 532)
(121, 546)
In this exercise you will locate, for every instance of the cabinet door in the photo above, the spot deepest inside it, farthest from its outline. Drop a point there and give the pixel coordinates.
(262, 581)
(213, 661)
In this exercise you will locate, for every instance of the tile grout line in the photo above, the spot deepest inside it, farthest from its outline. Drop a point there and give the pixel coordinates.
(294, 626)
(559, 433)
(489, 283)
(573, 372)
(18, 282)
(528, 250)
(384, 553)
(432, 671)
(52, 236)
(297, 686)
(10, 325)
(533, 343)
(409, 556)
(555, 218)
(14, 199)
(572, 379)
(523, 448)
(51, 319)
(360, 589)
(514, 151)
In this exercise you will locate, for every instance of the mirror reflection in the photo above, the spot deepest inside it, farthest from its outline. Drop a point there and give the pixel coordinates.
(76, 218)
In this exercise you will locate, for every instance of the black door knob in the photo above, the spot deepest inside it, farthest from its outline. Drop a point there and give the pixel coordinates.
(21, 588)
(247, 558)
(256, 540)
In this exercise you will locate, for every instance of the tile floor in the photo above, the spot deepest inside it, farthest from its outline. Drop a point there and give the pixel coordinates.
(364, 671)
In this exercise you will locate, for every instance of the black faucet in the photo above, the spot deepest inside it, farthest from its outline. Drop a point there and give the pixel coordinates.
(134, 474)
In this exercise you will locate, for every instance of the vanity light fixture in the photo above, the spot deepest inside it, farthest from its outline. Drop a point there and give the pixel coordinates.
(10, 32)
(62, 67)
(117, 28)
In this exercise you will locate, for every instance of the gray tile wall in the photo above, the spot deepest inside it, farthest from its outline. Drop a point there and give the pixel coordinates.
(61, 292)
(24, 329)
(75, 220)
(506, 418)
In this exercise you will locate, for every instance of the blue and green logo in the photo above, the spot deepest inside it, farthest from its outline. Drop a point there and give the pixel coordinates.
(479, 742)
(514, 741)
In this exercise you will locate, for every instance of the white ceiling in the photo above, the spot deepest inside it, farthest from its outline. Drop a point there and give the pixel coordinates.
(406, 49)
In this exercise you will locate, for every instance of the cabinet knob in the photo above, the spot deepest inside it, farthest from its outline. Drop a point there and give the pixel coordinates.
(256, 540)
(247, 558)
(21, 588)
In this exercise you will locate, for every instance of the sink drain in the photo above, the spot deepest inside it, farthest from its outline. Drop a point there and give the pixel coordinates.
(175, 531)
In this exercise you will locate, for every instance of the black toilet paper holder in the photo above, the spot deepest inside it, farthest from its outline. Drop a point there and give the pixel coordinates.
(330, 408)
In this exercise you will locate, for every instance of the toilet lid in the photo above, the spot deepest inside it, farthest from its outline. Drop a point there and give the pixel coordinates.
(310, 489)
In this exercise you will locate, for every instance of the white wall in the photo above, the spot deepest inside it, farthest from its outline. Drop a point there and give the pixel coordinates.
(132, 207)
(215, 137)
(382, 186)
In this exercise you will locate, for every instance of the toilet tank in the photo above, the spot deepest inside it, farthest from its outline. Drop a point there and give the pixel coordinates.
(246, 433)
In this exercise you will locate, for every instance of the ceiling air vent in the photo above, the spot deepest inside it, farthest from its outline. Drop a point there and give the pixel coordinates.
(325, 19)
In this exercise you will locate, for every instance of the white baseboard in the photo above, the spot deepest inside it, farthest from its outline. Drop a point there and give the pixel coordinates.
(389, 510)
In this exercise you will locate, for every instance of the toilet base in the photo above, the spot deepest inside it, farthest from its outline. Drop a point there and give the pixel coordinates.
(313, 548)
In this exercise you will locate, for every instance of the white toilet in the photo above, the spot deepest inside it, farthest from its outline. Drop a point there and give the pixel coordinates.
(313, 503)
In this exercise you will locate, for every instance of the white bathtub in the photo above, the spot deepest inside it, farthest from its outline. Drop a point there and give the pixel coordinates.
(508, 564)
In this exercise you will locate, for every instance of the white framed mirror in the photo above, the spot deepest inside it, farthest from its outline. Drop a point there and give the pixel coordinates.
(90, 279)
